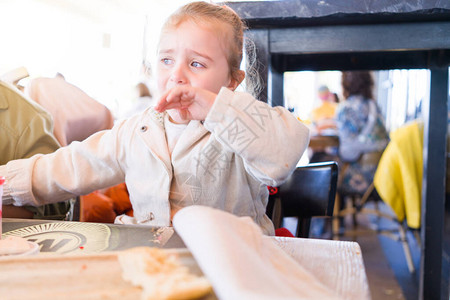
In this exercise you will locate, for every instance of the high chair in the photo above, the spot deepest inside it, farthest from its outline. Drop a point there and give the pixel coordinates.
(309, 192)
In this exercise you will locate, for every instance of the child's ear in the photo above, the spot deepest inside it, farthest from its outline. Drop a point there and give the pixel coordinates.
(235, 82)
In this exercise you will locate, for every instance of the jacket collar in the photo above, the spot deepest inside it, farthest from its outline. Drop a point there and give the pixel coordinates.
(193, 132)
(151, 129)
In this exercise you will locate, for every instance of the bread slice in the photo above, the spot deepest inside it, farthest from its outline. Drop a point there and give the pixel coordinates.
(161, 275)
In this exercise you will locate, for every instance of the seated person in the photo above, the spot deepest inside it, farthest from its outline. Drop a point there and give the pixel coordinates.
(26, 130)
(361, 132)
(202, 143)
(324, 123)
(323, 116)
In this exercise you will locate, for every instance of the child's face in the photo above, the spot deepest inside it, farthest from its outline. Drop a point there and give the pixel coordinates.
(195, 55)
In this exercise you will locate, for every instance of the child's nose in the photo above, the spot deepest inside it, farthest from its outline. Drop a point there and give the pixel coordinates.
(178, 75)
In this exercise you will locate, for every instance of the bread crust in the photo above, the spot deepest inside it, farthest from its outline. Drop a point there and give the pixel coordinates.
(161, 275)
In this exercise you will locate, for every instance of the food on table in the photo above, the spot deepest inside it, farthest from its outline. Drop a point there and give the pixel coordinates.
(161, 275)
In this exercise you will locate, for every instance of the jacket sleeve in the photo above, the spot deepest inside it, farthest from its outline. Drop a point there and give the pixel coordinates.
(77, 169)
(270, 140)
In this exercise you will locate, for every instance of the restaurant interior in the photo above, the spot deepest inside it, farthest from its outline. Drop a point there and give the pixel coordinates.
(104, 49)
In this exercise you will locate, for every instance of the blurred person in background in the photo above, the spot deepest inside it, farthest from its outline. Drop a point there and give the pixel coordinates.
(323, 122)
(323, 116)
(26, 129)
(362, 133)
(75, 114)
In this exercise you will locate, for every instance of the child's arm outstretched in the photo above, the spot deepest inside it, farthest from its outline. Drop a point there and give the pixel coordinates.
(77, 169)
(270, 140)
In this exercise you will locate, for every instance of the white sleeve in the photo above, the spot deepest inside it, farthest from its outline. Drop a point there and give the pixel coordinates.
(77, 169)
(270, 140)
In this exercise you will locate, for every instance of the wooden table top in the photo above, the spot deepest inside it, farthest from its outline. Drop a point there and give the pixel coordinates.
(337, 264)
(323, 141)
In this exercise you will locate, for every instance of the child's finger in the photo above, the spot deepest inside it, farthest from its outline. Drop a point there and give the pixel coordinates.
(181, 94)
(174, 105)
(178, 97)
(161, 103)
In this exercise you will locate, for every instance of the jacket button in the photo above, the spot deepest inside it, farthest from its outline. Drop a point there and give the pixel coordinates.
(144, 128)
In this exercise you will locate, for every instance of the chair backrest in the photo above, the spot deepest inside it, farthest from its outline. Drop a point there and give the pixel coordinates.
(309, 192)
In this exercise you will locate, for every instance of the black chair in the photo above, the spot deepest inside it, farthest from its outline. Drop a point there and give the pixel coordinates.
(309, 192)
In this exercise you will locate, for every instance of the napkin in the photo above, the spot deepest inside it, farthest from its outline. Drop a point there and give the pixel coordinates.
(242, 263)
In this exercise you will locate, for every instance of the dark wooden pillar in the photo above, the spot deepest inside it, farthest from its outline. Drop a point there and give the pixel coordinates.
(275, 86)
(433, 186)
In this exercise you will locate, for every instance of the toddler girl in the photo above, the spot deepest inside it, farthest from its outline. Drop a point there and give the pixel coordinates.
(203, 143)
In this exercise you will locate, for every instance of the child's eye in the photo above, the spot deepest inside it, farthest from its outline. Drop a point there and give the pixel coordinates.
(196, 64)
(167, 61)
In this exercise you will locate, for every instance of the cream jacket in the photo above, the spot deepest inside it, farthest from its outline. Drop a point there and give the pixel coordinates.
(225, 162)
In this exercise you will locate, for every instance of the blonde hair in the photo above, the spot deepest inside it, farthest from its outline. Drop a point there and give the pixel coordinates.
(200, 12)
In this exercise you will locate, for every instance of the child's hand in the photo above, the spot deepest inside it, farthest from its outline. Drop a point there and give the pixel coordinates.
(191, 103)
